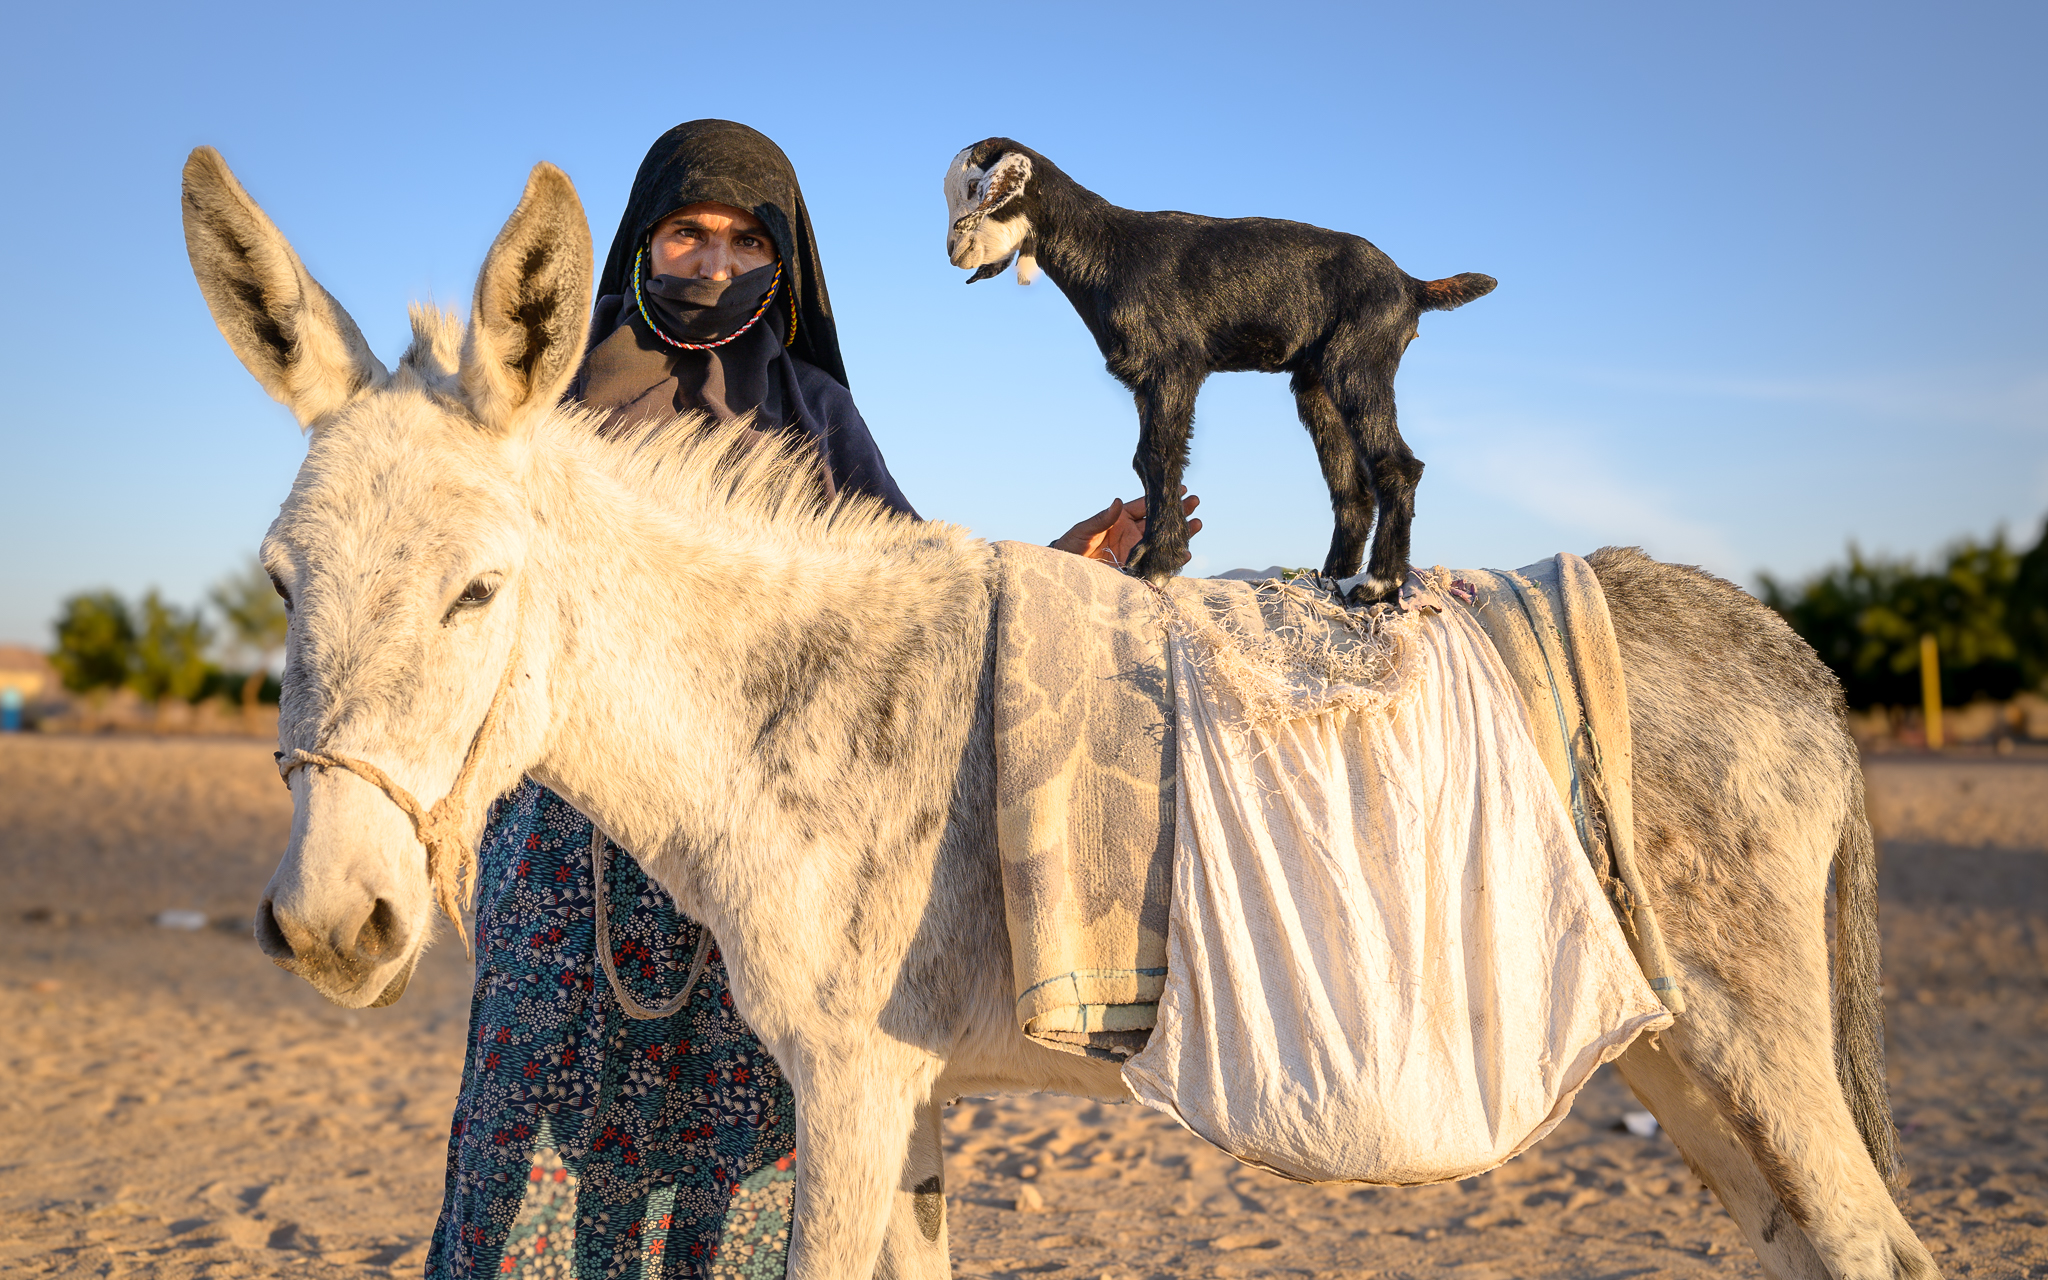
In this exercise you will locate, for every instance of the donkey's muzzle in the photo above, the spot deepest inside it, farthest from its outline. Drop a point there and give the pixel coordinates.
(336, 961)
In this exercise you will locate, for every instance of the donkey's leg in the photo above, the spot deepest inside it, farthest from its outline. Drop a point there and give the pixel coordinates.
(1777, 1145)
(1351, 500)
(915, 1247)
(1166, 417)
(856, 1103)
(1746, 1081)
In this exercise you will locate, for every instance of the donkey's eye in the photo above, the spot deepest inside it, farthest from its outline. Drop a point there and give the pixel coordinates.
(278, 586)
(478, 592)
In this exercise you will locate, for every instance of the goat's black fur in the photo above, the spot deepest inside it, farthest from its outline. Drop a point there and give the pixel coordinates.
(1173, 297)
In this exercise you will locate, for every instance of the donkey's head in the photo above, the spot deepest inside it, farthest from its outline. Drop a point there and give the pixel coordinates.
(400, 553)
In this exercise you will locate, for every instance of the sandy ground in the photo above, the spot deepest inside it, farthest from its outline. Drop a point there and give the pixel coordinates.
(177, 1107)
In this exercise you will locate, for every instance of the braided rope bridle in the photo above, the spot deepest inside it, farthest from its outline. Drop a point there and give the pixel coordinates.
(451, 858)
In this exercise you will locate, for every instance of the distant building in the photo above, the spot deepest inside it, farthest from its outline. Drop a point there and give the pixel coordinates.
(25, 674)
(24, 669)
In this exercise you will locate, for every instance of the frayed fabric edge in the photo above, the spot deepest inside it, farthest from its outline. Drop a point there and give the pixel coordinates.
(1282, 675)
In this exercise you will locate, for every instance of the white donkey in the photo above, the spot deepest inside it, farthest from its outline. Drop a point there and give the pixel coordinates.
(785, 711)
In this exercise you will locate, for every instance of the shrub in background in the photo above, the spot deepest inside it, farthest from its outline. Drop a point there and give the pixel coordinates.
(256, 623)
(2028, 621)
(170, 653)
(1985, 604)
(95, 643)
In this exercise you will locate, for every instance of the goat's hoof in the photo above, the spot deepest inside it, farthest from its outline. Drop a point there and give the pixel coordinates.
(1155, 563)
(1371, 591)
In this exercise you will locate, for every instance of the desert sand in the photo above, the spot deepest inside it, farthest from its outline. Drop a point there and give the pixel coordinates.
(178, 1107)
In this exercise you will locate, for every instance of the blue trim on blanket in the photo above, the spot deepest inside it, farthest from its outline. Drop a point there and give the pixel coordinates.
(1658, 982)
(1072, 974)
(1564, 735)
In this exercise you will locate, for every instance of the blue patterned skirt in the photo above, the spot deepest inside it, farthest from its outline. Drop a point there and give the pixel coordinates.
(587, 1144)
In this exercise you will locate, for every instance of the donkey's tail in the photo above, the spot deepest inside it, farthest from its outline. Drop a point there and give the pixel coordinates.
(1859, 995)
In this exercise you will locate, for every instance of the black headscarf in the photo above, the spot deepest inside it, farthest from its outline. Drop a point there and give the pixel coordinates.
(725, 162)
(789, 384)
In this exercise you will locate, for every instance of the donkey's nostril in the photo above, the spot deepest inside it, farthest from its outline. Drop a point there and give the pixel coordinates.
(380, 935)
(270, 937)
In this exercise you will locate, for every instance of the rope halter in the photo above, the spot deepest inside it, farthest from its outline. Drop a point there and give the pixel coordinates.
(451, 857)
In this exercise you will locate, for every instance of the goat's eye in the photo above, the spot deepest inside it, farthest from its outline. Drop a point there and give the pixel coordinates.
(477, 592)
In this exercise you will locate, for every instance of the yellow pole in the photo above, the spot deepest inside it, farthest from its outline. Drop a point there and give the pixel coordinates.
(1930, 690)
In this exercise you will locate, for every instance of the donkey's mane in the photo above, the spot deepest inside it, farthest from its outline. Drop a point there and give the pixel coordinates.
(688, 465)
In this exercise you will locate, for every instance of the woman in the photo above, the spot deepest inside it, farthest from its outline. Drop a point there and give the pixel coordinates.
(585, 1142)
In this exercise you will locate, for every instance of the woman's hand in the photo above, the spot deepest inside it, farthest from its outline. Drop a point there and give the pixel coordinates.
(1110, 533)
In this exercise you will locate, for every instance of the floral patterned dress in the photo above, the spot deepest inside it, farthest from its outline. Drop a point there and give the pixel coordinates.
(587, 1144)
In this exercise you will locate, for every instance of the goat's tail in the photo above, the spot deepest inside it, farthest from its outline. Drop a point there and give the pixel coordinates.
(1453, 292)
(1859, 995)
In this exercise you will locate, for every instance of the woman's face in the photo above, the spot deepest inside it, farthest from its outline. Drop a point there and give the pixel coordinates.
(709, 241)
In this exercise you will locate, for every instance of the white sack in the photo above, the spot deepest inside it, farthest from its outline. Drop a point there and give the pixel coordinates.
(1388, 960)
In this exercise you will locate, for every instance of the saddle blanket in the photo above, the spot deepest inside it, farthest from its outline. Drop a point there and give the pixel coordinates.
(1303, 869)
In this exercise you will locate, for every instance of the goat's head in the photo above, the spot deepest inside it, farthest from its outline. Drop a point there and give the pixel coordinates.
(987, 210)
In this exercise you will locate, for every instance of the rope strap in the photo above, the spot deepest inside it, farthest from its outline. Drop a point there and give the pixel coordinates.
(451, 856)
(633, 1008)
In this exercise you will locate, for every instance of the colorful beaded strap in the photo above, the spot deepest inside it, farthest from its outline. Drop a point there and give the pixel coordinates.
(760, 311)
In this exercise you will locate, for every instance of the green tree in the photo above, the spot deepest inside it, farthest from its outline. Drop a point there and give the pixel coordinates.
(170, 653)
(1865, 619)
(2029, 613)
(95, 644)
(256, 621)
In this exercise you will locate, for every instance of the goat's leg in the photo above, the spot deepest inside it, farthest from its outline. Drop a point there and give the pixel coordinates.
(915, 1247)
(856, 1105)
(1364, 395)
(1166, 417)
(1351, 500)
(1396, 473)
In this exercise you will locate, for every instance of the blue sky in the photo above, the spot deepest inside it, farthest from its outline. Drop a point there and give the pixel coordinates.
(1772, 276)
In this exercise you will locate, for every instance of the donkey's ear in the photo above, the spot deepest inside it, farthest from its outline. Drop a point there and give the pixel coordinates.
(527, 326)
(287, 330)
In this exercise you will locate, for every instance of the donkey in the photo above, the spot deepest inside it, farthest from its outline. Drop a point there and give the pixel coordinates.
(784, 707)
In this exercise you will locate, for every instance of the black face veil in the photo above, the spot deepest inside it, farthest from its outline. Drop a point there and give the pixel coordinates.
(726, 162)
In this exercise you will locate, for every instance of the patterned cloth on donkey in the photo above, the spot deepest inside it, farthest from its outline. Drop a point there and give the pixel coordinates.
(1386, 956)
(587, 1144)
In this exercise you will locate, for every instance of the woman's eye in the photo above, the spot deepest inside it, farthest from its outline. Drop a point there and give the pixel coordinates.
(477, 592)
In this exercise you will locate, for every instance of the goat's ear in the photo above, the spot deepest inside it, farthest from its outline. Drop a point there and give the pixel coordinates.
(1004, 182)
(973, 193)
(527, 325)
(286, 329)
(1452, 292)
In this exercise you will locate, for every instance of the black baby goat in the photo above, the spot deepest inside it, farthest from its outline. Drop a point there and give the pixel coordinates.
(1174, 297)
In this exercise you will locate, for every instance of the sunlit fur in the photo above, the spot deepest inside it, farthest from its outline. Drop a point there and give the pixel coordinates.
(782, 707)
